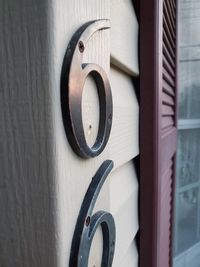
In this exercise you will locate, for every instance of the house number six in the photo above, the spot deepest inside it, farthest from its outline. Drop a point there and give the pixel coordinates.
(74, 74)
(73, 78)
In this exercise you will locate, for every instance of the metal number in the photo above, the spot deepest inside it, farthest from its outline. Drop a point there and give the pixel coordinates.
(87, 224)
(74, 74)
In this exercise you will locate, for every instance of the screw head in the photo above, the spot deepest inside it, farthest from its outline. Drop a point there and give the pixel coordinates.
(81, 46)
(87, 221)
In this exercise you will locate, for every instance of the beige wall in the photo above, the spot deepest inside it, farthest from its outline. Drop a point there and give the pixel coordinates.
(44, 180)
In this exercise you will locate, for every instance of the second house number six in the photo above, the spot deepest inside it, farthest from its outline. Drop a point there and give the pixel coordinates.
(74, 74)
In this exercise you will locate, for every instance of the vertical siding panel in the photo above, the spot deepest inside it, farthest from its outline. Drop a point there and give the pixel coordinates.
(124, 180)
(74, 173)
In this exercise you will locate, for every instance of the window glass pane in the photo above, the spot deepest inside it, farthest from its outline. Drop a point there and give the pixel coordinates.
(187, 195)
(189, 97)
(187, 218)
(189, 54)
(188, 167)
(187, 190)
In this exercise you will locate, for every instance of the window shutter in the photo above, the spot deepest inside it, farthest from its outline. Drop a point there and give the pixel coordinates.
(158, 131)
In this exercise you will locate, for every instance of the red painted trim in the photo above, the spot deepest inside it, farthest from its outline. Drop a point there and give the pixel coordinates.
(157, 150)
(148, 132)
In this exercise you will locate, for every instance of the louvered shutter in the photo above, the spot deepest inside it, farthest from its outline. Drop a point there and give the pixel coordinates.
(158, 131)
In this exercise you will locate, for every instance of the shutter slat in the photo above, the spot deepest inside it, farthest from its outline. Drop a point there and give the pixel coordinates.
(167, 110)
(168, 67)
(173, 10)
(168, 89)
(168, 56)
(168, 23)
(168, 100)
(169, 32)
(168, 78)
(173, 3)
(169, 12)
(168, 45)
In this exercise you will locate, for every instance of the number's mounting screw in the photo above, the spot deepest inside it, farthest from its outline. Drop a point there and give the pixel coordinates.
(81, 46)
(87, 221)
